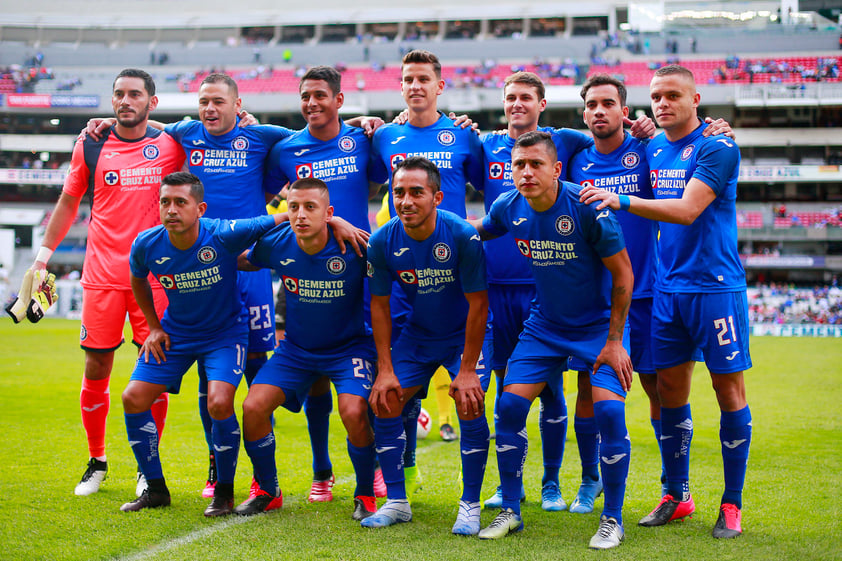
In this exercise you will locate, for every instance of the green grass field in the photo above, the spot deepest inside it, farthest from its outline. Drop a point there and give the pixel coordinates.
(791, 503)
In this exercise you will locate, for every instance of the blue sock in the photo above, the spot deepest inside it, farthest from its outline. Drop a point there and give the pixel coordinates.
(587, 438)
(498, 391)
(143, 438)
(676, 436)
(512, 446)
(735, 435)
(474, 448)
(207, 422)
(226, 447)
(614, 452)
(362, 458)
(391, 440)
(253, 365)
(262, 455)
(553, 425)
(317, 408)
(656, 427)
(411, 411)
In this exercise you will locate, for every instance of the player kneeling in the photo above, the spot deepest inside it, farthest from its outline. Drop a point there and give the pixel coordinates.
(195, 260)
(326, 336)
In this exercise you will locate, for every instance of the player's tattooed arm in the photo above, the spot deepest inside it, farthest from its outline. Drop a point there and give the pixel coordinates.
(622, 284)
(158, 341)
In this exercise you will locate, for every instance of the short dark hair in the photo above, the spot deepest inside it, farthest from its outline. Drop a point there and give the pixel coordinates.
(148, 82)
(605, 80)
(528, 78)
(327, 73)
(197, 190)
(535, 138)
(671, 69)
(310, 183)
(421, 56)
(220, 78)
(423, 164)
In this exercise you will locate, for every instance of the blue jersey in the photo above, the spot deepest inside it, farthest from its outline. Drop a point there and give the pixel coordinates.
(506, 265)
(565, 245)
(703, 256)
(456, 152)
(324, 292)
(625, 171)
(434, 274)
(230, 165)
(342, 163)
(201, 282)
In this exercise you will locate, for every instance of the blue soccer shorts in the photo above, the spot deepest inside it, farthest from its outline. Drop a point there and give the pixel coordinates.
(716, 323)
(256, 290)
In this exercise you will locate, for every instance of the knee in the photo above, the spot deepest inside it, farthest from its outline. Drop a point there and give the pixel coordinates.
(220, 407)
(730, 391)
(98, 365)
(132, 401)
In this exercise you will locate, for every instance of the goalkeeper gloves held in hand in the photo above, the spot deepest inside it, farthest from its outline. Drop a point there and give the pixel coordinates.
(37, 293)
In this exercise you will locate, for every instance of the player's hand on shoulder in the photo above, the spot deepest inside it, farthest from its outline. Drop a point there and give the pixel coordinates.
(614, 355)
(371, 124)
(591, 194)
(401, 118)
(345, 232)
(247, 119)
(467, 392)
(156, 343)
(463, 121)
(641, 128)
(718, 126)
(96, 127)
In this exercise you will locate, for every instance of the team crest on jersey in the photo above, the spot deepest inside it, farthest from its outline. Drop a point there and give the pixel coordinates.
(167, 281)
(564, 225)
(446, 138)
(396, 159)
(291, 284)
(83, 334)
(347, 144)
(441, 252)
(336, 265)
(523, 247)
(408, 277)
(630, 160)
(303, 171)
(207, 255)
(495, 170)
(111, 177)
(687, 152)
(197, 157)
(150, 152)
(653, 178)
(240, 143)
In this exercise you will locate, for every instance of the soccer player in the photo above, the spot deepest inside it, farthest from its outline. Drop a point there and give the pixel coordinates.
(195, 260)
(338, 154)
(700, 291)
(454, 150)
(511, 287)
(616, 162)
(327, 336)
(124, 169)
(437, 260)
(584, 284)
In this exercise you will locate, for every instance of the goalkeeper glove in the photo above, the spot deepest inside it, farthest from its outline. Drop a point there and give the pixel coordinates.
(44, 295)
(17, 309)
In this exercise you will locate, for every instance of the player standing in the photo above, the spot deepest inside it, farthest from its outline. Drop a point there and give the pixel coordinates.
(584, 284)
(195, 260)
(437, 260)
(327, 336)
(616, 162)
(338, 154)
(700, 291)
(124, 169)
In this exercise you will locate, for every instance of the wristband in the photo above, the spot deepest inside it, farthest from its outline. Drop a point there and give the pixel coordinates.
(44, 254)
(625, 202)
